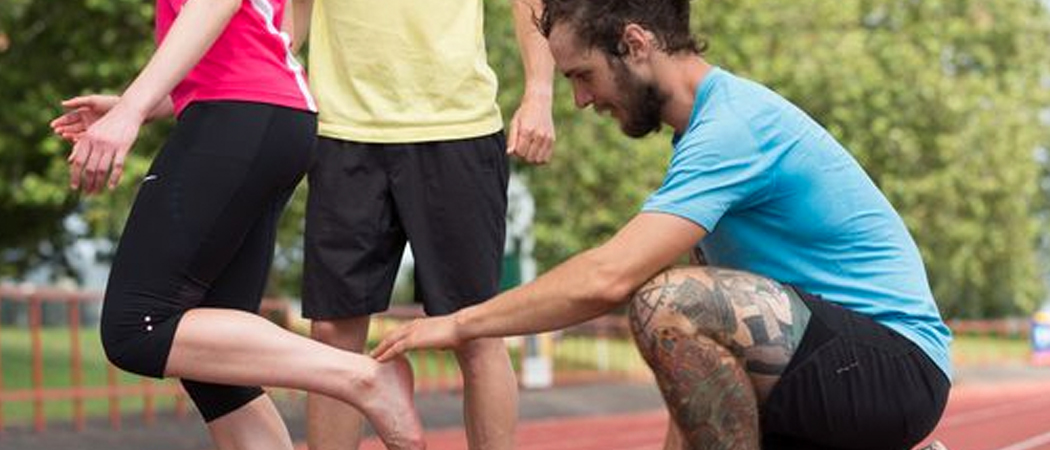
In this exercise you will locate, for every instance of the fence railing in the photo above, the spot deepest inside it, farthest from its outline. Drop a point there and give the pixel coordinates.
(38, 393)
(597, 350)
(35, 321)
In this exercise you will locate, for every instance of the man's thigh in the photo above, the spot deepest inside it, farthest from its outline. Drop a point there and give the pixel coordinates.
(354, 239)
(451, 198)
(853, 384)
(758, 320)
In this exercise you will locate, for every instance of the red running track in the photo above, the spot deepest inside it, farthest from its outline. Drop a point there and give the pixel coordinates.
(1014, 416)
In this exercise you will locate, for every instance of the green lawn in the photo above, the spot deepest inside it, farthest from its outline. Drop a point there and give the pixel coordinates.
(16, 367)
(571, 353)
(984, 350)
(588, 353)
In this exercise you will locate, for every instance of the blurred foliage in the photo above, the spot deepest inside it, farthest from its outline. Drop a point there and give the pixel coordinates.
(53, 51)
(940, 100)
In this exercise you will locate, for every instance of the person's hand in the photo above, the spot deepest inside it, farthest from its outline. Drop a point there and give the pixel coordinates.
(435, 332)
(531, 135)
(101, 150)
(81, 113)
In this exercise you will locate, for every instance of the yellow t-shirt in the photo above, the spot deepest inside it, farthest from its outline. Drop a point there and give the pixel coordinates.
(402, 70)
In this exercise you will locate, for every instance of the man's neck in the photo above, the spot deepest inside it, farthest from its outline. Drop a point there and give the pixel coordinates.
(679, 76)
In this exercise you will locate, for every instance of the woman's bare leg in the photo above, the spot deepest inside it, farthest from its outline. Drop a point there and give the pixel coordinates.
(234, 347)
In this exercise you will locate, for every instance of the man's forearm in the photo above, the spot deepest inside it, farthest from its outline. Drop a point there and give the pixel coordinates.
(535, 53)
(588, 285)
(296, 22)
(571, 293)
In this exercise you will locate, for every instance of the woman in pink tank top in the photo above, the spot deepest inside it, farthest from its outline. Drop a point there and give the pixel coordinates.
(192, 261)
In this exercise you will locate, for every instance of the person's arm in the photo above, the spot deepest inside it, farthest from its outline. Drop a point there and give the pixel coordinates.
(106, 143)
(83, 111)
(586, 286)
(296, 22)
(531, 134)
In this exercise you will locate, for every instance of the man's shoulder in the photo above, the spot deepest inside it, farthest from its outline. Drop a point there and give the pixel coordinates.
(718, 126)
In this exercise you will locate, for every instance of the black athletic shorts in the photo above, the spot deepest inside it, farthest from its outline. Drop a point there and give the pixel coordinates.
(853, 384)
(447, 198)
(201, 233)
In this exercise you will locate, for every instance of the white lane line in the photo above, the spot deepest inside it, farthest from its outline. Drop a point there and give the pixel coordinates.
(1029, 443)
(997, 411)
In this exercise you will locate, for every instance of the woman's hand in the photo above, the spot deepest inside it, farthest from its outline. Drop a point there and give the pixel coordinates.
(81, 113)
(100, 150)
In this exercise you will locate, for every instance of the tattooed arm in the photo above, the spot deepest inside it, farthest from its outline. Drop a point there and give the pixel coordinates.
(586, 286)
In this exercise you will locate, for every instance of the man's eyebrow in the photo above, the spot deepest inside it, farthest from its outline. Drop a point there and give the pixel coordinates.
(573, 72)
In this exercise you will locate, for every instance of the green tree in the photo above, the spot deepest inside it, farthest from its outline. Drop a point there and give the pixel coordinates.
(52, 52)
(938, 99)
(598, 177)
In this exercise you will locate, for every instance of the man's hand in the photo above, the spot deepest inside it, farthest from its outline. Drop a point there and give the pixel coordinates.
(82, 112)
(435, 332)
(531, 135)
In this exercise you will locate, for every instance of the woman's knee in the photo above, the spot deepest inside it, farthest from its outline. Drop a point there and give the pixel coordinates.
(137, 342)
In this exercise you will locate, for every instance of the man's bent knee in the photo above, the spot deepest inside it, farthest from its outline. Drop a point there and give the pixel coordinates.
(700, 300)
(680, 292)
(351, 333)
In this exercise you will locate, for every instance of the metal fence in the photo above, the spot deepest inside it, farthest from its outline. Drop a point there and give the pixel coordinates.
(597, 350)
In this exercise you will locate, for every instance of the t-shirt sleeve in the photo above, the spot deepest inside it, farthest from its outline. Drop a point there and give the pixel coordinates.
(716, 167)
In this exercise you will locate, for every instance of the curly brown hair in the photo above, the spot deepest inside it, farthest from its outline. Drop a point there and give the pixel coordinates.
(600, 23)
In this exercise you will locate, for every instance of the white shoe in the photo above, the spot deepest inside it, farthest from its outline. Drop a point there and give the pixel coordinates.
(935, 445)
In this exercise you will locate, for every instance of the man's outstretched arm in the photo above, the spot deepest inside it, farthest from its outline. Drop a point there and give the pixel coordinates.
(586, 286)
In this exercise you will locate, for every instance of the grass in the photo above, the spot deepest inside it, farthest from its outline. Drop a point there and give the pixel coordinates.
(16, 368)
(571, 353)
(987, 350)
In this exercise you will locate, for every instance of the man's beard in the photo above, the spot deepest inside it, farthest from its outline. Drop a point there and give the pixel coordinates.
(642, 102)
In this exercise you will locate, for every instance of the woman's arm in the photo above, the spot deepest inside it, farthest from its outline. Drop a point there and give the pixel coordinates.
(101, 150)
(296, 22)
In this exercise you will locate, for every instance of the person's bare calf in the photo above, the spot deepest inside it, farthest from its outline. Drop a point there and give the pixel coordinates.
(490, 394)
(332, 424)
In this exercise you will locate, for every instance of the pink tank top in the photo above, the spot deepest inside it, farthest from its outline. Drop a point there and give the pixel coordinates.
(250, 60)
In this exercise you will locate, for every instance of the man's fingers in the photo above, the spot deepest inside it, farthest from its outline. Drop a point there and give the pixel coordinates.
(392, 351)
(388, 341)
(525, 144)
(538, 147)
(544, 150)
(512, 137)
(389, 348)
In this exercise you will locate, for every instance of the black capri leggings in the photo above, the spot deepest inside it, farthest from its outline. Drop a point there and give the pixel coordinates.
(201, 233)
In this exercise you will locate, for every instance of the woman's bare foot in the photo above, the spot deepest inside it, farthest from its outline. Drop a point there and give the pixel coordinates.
(391, 409)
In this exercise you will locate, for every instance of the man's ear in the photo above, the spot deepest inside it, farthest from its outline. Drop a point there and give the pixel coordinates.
(637, 42)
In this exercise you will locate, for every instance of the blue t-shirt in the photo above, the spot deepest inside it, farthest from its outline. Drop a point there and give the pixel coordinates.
(780, 197)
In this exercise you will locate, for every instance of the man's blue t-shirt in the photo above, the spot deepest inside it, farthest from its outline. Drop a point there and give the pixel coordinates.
(780, 197)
